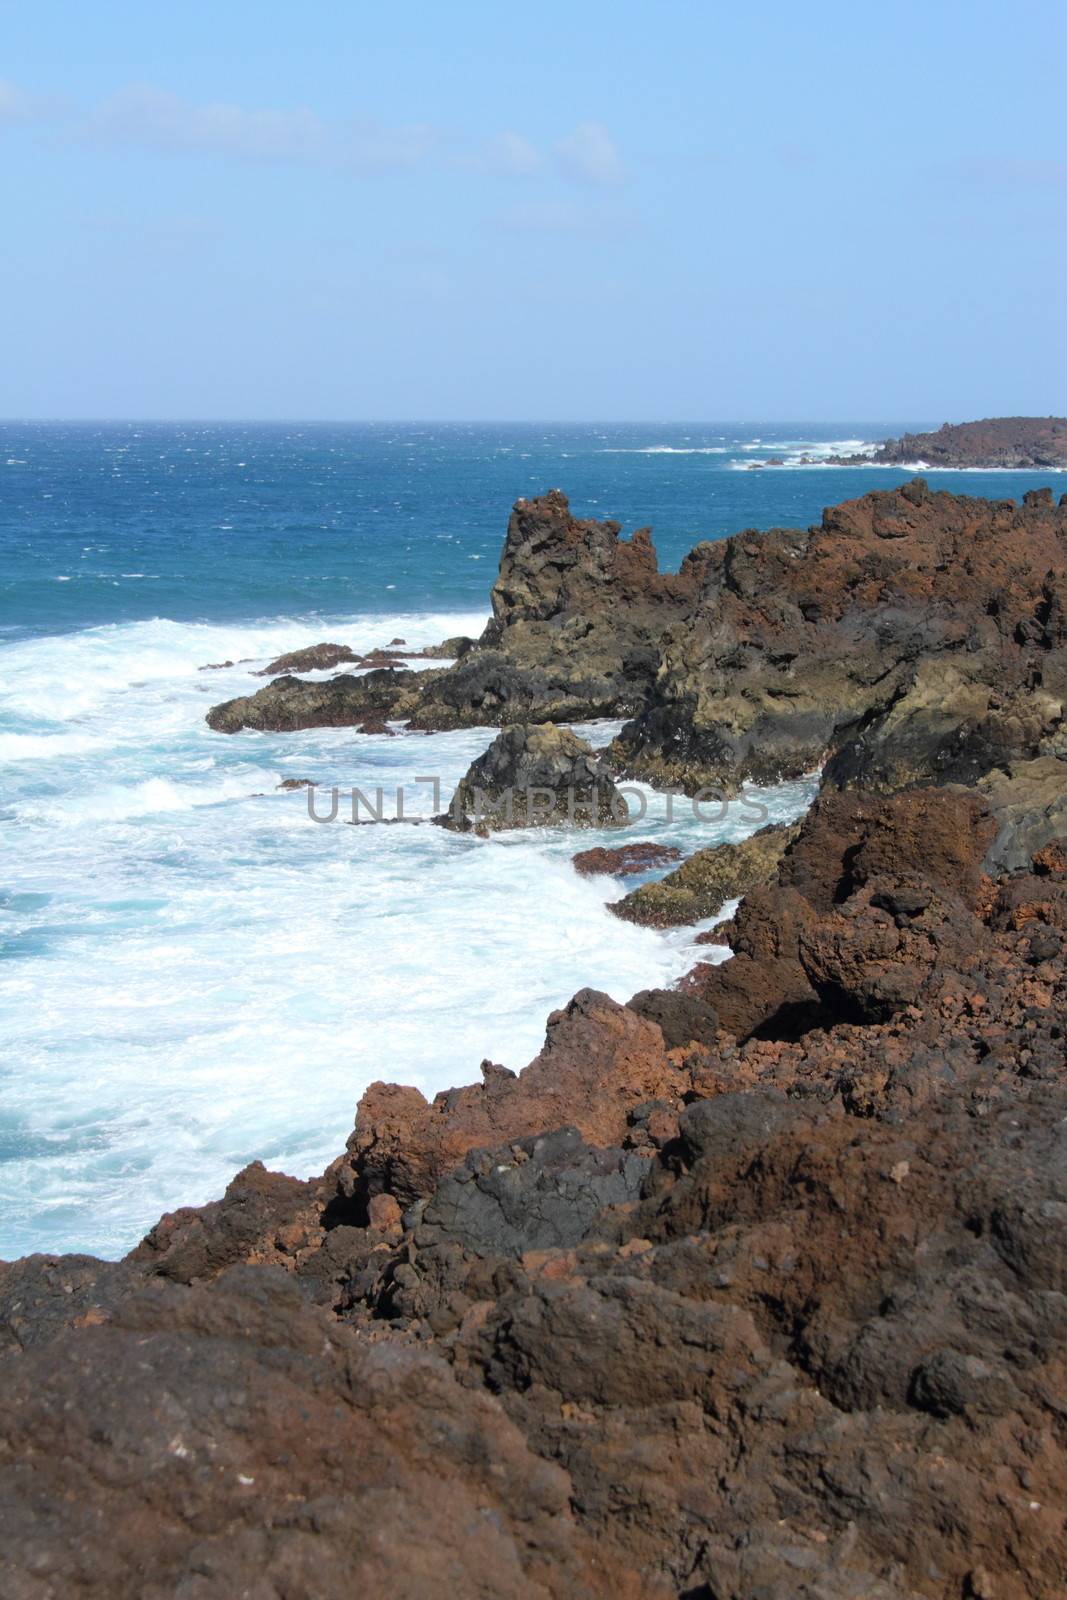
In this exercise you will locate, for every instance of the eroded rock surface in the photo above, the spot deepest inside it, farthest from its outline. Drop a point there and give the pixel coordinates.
(624, 860)
(751, 1288)
(288, 702)
(705, 881)
(706, 1301)
(312, 658)
(910, 638)
(536, 776)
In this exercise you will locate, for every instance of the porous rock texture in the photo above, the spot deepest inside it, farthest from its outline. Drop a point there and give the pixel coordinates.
(312, 658)
(536, 776)
(624, 860)
(911, 637)
(705, 881)
(750, 1289)
(690, 1307)
(288, 703)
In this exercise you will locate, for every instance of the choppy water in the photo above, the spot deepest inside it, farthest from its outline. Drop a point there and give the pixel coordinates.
(192, 972)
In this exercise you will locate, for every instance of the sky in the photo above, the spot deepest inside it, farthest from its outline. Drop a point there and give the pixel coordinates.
(582, 211)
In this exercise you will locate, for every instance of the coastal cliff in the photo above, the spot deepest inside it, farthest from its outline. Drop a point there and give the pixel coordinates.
(1017, 443)
(755, 1286)
(909, 637)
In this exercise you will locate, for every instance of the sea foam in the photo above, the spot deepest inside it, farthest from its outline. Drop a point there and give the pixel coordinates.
(195, 974)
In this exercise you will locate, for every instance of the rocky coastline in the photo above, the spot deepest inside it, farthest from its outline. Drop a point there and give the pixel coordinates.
(749, 1288)
(995, 444)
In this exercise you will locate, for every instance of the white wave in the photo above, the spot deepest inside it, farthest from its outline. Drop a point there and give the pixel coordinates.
(44, 746)
(60, 678)
(120, 802)
(197, 973)
(665, 450)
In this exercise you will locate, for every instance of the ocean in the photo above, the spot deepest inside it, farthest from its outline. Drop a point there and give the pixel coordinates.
(194, 973)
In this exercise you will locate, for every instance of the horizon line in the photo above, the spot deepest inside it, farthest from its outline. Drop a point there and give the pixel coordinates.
(461, 422)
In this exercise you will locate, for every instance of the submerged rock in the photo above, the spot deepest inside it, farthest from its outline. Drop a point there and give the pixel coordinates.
(535, 777)
(290, 703)
(622, 861)
(313, 658)
(705, 881)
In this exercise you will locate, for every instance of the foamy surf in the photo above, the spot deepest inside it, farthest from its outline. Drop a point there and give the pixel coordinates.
(196, 974)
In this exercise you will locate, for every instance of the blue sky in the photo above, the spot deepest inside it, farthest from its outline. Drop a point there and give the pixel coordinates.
(581, 211)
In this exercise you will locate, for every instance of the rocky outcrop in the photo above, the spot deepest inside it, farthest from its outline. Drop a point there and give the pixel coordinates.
(704, 882)
(1029, 801)
(997, 442)
(600, 1060)
(313, 658)
(449, 649)
(910, 638)
(578, 615)
(536, 777)
(685, 1308)
(255, 1444)
(750, 1287)
(289, 703)
(624, 860)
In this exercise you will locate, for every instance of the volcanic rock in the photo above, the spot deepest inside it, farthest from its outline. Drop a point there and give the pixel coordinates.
(1029, 801)
(578, 615)
(536, 776)
(997, 442)
(289, 703)
(449, 649)
(235, 1440)
(624, 860)
(911, 638)
(706, 880)
(673, 1312)
(313, 658)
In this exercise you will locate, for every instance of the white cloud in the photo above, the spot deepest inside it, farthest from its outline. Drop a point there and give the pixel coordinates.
(18, 106)
(514, 155)
(589, 155)
(150, 118)
(146, 117)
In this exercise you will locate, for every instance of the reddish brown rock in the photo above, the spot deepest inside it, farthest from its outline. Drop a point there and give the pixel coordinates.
(624, 860)
(226, 1441)
(780, 1315)
(313, 658)
(599, 1060)
(263, 1217)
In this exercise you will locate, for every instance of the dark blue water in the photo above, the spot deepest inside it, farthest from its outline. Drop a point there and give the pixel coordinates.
(105, 523)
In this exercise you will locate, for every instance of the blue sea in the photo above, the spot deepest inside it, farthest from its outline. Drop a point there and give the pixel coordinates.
(194, 973)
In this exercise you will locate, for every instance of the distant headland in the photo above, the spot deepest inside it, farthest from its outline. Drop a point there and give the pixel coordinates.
(1012, 442)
